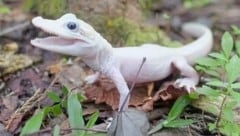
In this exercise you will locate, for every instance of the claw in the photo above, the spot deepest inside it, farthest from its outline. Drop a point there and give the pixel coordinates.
(185, 83)
(188, 89)
(91, 79)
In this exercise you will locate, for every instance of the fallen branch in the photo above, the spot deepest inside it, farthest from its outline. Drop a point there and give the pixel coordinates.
(49, 130)
(14, 28)
(32, 102)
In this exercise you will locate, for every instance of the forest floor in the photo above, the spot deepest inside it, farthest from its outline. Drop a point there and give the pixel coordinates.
(27, 72)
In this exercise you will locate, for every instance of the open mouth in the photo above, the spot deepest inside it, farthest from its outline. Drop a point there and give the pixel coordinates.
(52, 40)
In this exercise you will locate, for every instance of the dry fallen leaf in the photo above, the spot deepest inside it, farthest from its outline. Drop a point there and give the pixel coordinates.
(10, 102)
(105, 92)
(5, 114)
(55, 68)
(26, 82)
(167, 93)
(65, 124)
(14, 123)
(72, 76)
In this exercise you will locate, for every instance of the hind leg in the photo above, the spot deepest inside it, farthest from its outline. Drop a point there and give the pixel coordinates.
(190, 79)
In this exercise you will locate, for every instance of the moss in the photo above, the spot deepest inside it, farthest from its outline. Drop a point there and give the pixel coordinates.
(47, 8)
(123, 32)
(150, 35)
(119, 31)
(189, 4)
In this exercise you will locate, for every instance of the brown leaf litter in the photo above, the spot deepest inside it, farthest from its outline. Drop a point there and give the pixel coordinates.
(105, 92)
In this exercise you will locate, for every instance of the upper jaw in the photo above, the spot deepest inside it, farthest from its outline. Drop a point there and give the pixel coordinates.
(48, 26)
(36, 21)
(52, 27)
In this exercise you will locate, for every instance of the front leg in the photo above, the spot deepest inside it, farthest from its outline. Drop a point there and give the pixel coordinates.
(122, 87)
(92, 78)
(190, 79)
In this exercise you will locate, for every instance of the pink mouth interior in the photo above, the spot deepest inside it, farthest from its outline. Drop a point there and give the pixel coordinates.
(53, 40)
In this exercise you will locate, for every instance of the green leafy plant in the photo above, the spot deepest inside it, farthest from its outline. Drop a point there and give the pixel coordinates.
(195, 3)
(70, 102)
(222, 69)
(33, 124)
(75, 115)
(3, 8)
(173, 119)
(146, 6)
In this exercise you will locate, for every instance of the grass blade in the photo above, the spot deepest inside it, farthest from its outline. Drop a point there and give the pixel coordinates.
(178, 107)
(74, 110)
(33, 124)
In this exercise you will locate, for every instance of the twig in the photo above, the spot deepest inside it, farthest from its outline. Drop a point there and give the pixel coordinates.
(86, 129)
(27, 106)
(48, 130)
(14, 28)
(38, 96)
(220, 114)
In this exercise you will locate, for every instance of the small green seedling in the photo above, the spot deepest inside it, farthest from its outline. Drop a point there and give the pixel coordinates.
(222, 69)
(70, 102)
(173, 119)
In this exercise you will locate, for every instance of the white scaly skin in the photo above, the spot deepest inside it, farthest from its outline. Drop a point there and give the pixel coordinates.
(76, 37)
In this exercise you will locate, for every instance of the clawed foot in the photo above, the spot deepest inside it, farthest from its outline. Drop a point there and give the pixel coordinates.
(91, 79)
(186, 83)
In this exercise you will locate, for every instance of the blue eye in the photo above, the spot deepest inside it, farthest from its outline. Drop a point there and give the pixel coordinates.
(72, 25)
